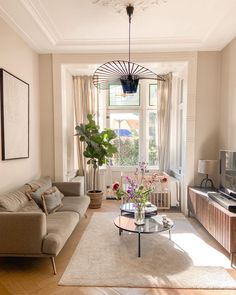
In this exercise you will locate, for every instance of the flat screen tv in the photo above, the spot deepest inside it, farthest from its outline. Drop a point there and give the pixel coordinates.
(228, 174)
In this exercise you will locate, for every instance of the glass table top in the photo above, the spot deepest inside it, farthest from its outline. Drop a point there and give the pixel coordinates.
(152, 224)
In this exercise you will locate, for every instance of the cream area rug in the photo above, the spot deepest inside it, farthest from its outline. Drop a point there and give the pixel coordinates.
(103, 258)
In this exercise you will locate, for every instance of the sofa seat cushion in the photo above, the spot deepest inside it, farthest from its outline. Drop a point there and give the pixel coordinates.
(60, 225)
(76, 204)
(13, 201)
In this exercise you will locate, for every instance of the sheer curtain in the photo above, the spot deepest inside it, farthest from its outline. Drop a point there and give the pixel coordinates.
(85, 101)
(164, 123)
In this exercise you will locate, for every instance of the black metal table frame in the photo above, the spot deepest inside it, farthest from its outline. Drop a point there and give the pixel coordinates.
(139, 235)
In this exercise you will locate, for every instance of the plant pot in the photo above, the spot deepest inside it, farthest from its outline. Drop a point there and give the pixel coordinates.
(95, 199)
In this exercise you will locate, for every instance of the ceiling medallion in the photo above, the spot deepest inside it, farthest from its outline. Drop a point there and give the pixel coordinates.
(119, 5)
(125, 73)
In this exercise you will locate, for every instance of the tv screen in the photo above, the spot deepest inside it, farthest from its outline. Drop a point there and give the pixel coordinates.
(228, 173)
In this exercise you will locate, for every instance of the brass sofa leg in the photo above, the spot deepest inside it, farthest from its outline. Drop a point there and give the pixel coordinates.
(53, 265)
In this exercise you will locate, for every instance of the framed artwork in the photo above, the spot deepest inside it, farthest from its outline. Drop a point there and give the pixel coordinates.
(14, 97)
(152, 94)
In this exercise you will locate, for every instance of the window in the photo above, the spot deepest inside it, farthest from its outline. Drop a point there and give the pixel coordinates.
(153, 95)
(117, 98)
(134, 118)
(152, 139)
(126, 126)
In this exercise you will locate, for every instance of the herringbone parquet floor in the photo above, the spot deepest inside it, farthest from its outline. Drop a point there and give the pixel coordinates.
(24, 276)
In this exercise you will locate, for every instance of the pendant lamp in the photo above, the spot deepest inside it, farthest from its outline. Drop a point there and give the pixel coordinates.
(125, 73)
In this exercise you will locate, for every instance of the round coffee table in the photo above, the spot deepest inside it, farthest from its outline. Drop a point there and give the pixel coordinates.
(152, 225)
(130, 208)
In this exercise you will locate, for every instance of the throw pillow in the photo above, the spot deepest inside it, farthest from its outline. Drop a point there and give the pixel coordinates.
(26, 189)
(51, 200)
(36, 196)
(60, 193)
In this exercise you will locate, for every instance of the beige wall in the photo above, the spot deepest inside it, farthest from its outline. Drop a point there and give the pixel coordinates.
(48, 126)
(47, 115)
(207, 108)
(17, 58)
(228, 98)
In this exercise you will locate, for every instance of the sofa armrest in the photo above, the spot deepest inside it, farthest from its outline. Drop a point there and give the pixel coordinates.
(69, 188)
(22, 232)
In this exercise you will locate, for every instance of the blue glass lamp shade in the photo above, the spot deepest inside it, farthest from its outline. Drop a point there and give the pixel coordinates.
(129, 83)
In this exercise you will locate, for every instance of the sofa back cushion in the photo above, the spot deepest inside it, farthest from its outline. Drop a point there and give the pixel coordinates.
(13, 201)
(39, 183)
(16, 200)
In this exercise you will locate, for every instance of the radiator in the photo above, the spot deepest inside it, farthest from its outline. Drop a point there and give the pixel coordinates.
(163, 200)
(174, 190)
(160, 199)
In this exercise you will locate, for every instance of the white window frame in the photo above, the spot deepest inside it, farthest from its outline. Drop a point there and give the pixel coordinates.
(143, 110)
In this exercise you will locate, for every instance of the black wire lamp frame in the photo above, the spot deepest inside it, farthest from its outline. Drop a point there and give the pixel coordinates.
(124, 72)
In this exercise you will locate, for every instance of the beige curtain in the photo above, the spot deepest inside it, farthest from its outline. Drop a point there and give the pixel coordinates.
(164, 123)
(85, 101)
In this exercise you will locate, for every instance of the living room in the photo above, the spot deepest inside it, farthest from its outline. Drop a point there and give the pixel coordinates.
(29, 52)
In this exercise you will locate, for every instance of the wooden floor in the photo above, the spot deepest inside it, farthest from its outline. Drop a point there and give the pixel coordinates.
(34, 275)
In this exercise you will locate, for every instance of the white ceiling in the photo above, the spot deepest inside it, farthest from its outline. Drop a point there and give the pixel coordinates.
(80, 26)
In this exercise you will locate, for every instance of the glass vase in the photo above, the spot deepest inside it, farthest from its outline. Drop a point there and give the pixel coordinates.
(139, 215)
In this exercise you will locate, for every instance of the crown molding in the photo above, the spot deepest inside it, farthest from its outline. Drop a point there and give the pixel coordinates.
(12, 23)
(40, 16)
(134, 42)
(30, 19)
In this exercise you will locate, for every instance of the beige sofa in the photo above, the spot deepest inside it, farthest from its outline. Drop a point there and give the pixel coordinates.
(26, 230)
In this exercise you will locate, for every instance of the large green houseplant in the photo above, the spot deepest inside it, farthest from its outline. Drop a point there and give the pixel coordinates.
(98, 150)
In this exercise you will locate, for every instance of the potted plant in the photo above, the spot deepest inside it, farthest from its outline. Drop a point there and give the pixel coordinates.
(98, 149)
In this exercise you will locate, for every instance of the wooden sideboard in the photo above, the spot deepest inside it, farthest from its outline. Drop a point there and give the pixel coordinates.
(217, 220)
